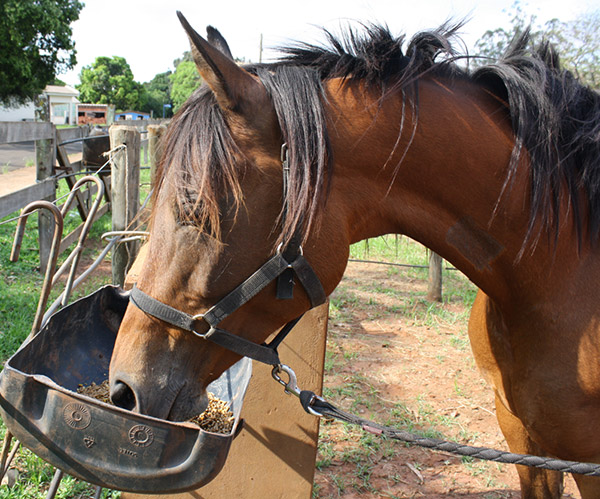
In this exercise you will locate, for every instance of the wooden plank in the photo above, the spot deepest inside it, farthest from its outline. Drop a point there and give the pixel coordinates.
(77, 165)
(63, 134)
(21, 131)
(45, 158)
(21, 198)
(74, 236)
(63, 159)
(155, 135)
(434, 290)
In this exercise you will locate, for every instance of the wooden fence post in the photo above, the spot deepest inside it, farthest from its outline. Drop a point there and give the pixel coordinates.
(44, 160)
(155, 134)
(434, 292)
(125, 199)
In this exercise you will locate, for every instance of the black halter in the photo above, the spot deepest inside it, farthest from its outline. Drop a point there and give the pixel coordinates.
(283, 266)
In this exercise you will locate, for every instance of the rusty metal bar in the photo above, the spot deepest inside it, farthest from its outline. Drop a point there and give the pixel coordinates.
(74, 257)
(52, 257)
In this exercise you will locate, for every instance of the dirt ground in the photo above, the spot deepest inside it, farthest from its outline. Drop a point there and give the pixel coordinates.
(391, 359)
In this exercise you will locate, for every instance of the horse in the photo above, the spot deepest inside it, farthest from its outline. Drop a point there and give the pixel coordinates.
(494, 168)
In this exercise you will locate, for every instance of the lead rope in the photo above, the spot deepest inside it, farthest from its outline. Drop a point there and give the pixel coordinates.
(317, 406)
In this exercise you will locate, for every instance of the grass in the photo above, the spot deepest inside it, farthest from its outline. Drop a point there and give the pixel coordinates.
(394, 249)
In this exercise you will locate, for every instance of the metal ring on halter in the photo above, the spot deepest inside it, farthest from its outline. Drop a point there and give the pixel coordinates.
(280, 247)
(204, 336)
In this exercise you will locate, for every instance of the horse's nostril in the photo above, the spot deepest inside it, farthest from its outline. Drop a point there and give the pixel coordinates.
(122, 396)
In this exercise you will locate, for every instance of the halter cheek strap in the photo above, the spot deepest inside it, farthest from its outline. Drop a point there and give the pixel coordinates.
(283, 267)
(270, 271)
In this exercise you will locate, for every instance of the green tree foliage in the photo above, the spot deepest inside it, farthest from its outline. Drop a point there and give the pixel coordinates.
(109, 80)
(157, 94)
(35, 45)
(184, 81)
(577, 42)
(494, 42)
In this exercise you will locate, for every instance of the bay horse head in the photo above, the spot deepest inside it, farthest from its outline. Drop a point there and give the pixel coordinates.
(220, 212)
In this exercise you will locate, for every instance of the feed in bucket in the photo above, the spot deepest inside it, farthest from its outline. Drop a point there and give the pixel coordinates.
(217, 418)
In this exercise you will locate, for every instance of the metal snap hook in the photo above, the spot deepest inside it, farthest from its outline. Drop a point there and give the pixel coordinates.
(291, 386)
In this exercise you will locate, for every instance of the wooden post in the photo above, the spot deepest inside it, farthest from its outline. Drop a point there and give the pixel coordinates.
(434, 292)
(110, 114)
(125, 198)
(155, 134)
(44, 162)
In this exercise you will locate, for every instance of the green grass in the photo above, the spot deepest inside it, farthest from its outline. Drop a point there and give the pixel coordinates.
(392, 249)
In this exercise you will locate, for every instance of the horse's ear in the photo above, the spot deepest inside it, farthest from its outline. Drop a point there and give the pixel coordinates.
(216, 39)
(233, 86)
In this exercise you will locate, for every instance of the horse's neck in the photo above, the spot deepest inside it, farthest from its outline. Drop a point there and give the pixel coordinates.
(447, 192)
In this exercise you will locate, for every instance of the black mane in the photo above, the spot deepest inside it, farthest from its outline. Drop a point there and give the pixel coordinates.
(376, 57)
(555, 118)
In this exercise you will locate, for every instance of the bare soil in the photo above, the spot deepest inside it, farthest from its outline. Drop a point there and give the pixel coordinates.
(395, 358)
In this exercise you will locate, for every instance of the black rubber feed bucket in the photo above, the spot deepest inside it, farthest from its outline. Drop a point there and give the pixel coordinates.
(95, 441)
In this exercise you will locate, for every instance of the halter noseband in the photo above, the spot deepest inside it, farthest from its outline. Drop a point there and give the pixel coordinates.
(283, 266)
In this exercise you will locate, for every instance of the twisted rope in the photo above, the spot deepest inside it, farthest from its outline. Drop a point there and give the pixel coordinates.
(487, 454)
(314, 404)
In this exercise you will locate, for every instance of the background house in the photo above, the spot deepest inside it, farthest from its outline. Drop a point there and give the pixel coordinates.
(94, 114)
(132, 115)
(63, 104)
(63, 107)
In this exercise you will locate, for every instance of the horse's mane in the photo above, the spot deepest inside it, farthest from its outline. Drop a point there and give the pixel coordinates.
(557, 120)
(554, 117)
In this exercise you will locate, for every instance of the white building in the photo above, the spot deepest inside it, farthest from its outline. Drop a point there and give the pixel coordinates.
(63, 107)
(63, 104)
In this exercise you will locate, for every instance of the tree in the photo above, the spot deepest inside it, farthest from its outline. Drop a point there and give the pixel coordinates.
(35, 45)
(109, 80)
(157, 94)
(494, 42)
(577, 42)
(184, 81)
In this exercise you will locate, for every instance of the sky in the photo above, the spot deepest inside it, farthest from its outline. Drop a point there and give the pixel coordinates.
(149, 36)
